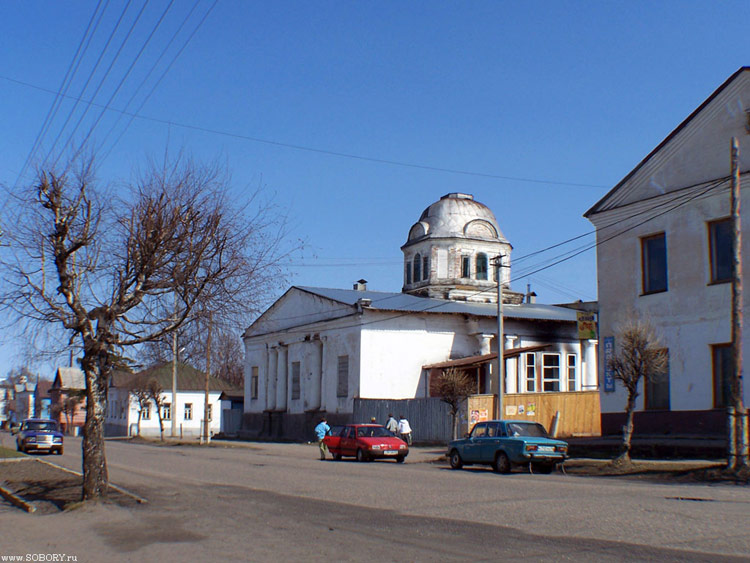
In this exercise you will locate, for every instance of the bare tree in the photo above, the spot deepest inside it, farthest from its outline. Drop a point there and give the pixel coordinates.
(639, 356)
(154, 392)
(454, 386)
(116, 272)
(139, 387)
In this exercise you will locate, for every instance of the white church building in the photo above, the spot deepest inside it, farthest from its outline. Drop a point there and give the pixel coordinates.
(317, 350)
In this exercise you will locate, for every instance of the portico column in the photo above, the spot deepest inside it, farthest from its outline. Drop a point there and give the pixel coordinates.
(273, 360)
(511, 368)
(281, 380)
(315, 377)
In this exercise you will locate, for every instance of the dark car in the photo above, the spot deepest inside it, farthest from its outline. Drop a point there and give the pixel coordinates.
(505, 443)
(366, 442)
(39, 434)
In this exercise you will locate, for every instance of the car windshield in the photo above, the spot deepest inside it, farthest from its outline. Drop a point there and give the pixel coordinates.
(41, 425)
(373, 432)
(533, 429)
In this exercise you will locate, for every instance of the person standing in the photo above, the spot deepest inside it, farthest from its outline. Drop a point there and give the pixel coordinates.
(404, 429)
(321, 431)
(392, 425)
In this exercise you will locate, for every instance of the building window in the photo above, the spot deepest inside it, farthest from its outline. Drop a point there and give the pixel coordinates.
(550, 372)
(530, 372)
(654, 263)
(188, 411)
(295, 380)
(210, 412)
(146, 412)
(408, 272)
(166, 411)
(481, 266)
(254, 382)
(342, 389)
(417, 268)
(723, 368)
(720, 248)
(572, 371)
(425, 267)
(657, 390)
(465, 266)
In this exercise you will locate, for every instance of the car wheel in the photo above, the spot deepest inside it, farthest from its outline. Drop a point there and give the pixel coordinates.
(337, 457)
(456, 461)
(400, 459)
(502, 463)
(544, 468)
(60, 450)
(361, 455)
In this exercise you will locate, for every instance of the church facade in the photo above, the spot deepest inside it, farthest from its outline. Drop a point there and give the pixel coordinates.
(316, 350)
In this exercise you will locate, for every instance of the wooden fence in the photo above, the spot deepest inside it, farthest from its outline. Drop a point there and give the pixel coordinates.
(580, 414)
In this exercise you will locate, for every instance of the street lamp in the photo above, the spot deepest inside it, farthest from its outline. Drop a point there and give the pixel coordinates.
(498, 263)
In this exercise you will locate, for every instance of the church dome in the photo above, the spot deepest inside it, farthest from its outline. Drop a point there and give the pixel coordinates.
(456, 215)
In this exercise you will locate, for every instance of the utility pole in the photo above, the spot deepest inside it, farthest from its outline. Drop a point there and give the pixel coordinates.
(498, 263)
(206, 438)
(738, 438)
(173, 408)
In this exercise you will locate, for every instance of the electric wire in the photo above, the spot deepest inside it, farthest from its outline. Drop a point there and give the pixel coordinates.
(64, 86)
(145, 80)
(314, 149)
(79, 98)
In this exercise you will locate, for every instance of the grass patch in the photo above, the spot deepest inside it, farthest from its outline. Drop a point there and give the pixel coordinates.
(8, 452)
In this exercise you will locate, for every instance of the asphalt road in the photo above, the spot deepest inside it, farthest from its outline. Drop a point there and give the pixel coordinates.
(263, 502)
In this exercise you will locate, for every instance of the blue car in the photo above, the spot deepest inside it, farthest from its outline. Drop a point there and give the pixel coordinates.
(506, 443)
(39, 434)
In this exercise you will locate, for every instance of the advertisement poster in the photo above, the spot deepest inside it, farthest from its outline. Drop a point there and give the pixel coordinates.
(511, 410)
(609, 352)
(531, 409)
(586, 325)
(520, 409)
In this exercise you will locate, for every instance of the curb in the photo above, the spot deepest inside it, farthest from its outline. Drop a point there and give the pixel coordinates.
(138, 499)
(16, 500)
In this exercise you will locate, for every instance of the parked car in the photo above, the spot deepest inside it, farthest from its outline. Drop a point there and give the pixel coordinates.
(39, 434)
(505, 443)
(366, 442)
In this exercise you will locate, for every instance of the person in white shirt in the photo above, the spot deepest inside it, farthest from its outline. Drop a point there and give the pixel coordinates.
(404, 429)
(392, 425)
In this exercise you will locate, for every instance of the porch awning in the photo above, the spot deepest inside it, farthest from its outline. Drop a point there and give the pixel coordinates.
(475, 361)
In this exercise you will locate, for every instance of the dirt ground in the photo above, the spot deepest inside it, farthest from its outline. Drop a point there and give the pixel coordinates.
(48, 488)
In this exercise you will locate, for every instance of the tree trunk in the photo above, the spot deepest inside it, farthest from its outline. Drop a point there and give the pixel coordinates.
(95, 477)
(627, 430)
(454, 414)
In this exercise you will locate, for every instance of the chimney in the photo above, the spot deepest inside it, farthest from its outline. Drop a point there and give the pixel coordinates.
(360, 285)
(531, 297)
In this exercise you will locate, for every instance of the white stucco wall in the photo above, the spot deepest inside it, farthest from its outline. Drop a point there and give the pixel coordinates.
(692, 314)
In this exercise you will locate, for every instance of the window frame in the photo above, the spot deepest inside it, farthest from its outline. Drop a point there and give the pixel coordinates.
(571, 368)
(254, 382)
(342, 372)
(551, 368)
(650, 388)
(482, 266)
(146, 412)
(425, 267)
(649, 281)
(407, 274)
(722, 390)
(533, 379)
(166, 411)
(296, 384)
(715, 251)
(466, 267)
(187, 411)
(417, 273)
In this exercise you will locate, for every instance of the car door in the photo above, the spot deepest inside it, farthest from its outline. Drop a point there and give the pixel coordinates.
(349, 441)
(472, 450)
(490, 442)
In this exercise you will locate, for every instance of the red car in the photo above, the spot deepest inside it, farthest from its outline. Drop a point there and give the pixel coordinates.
(366, 442)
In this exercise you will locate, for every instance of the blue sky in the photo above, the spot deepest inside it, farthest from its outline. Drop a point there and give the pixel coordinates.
(545, 105)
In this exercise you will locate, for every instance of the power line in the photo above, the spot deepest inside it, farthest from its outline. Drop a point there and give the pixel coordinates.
(64, 85)
(318, 150)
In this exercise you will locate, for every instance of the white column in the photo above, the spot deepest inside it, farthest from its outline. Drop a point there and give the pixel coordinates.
(281, 380)
(273, 361)
(316, 367)
(485, 342)
(590, 379)
(511, 366)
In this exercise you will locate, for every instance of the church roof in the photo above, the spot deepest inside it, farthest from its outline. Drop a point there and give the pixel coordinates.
(456, 215)
(403, 302)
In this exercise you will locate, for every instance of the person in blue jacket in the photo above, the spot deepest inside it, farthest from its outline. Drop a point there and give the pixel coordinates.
(321, 431)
